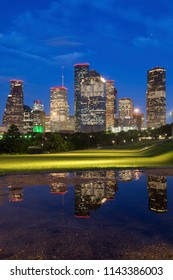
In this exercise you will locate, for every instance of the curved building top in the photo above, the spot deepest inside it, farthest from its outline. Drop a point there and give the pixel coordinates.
(17, 81)
(81, 64)
(157, 68)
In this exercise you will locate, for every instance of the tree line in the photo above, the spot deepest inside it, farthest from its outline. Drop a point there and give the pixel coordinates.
(14, 142)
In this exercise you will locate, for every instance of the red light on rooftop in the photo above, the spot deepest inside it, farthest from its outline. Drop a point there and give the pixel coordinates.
(81, 64)
(58, 87)
(37, 101)
(18, 81)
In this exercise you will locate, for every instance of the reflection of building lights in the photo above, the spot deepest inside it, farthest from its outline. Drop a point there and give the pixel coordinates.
(103, 200)
(82, 217)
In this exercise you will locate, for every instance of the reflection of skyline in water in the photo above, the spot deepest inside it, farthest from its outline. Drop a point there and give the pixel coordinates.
(42, 215)
(91, 195)
(15, 194)
(157, 193)
(94, 188)
(128, 175)
(57, 187)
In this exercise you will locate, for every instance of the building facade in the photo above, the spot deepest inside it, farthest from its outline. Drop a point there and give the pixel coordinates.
(110, 104)
(14, 111)
(27, 119)
(125, 107)
(38, 115)
(90, 99)
(58, 108)
(156, 98)
(81, 70)
(92, 103)
(138, 120)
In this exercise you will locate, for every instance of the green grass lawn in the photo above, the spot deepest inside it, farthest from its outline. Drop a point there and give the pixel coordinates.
(151, 155)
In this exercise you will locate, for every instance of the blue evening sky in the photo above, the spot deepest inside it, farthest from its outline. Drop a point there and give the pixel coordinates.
(121, 39)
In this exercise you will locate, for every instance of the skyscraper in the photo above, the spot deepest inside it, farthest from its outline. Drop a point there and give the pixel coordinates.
(92, 103)
(27, 119)
(156, 98)
(80, 71)
(14, 111)
(110, 104)
(125, 107)
(38, 117)
(58, 108)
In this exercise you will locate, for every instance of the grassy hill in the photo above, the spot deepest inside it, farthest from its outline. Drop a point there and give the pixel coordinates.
(148, 154)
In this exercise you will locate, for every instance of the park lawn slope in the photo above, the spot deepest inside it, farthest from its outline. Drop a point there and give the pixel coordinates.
(150, 156)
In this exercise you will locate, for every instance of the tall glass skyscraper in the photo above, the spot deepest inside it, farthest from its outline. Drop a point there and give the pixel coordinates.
(110, 104)
(90, 99)
(156, 98)
(14, 111)
(92, 103)
(80, 72)
(58, 108)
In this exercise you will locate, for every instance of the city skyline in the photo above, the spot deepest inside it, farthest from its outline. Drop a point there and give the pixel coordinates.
(38, 38)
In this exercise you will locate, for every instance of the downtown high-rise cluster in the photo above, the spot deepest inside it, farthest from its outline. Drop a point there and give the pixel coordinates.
(96, 106)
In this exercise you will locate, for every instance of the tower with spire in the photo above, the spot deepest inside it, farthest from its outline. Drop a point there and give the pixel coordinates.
(58, 107)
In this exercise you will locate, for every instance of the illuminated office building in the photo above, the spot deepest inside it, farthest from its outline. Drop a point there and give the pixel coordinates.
(27, 120)
(110, 104)
(138, 120)
(156, 98)
(81, 70)
(38, 117)
(58, 108)
(14, 110)
(157, 193)
(47, 123)
(92, 103)
(125, 107)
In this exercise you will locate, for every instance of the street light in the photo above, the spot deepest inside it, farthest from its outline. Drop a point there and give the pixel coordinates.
(136, 110)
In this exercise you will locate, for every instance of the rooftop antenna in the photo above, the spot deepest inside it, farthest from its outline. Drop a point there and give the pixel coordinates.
(62, 76)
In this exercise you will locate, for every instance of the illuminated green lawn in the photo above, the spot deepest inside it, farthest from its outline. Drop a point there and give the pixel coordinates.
(159, 156)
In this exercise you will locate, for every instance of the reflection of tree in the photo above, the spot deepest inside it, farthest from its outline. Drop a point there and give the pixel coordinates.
(157, 193)
(15, 194)
(92, 193)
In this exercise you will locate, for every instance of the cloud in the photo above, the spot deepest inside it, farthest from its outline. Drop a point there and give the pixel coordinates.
(4, 79)
(67, 29)
(69, 58)
(145, 41)
(63, 41)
